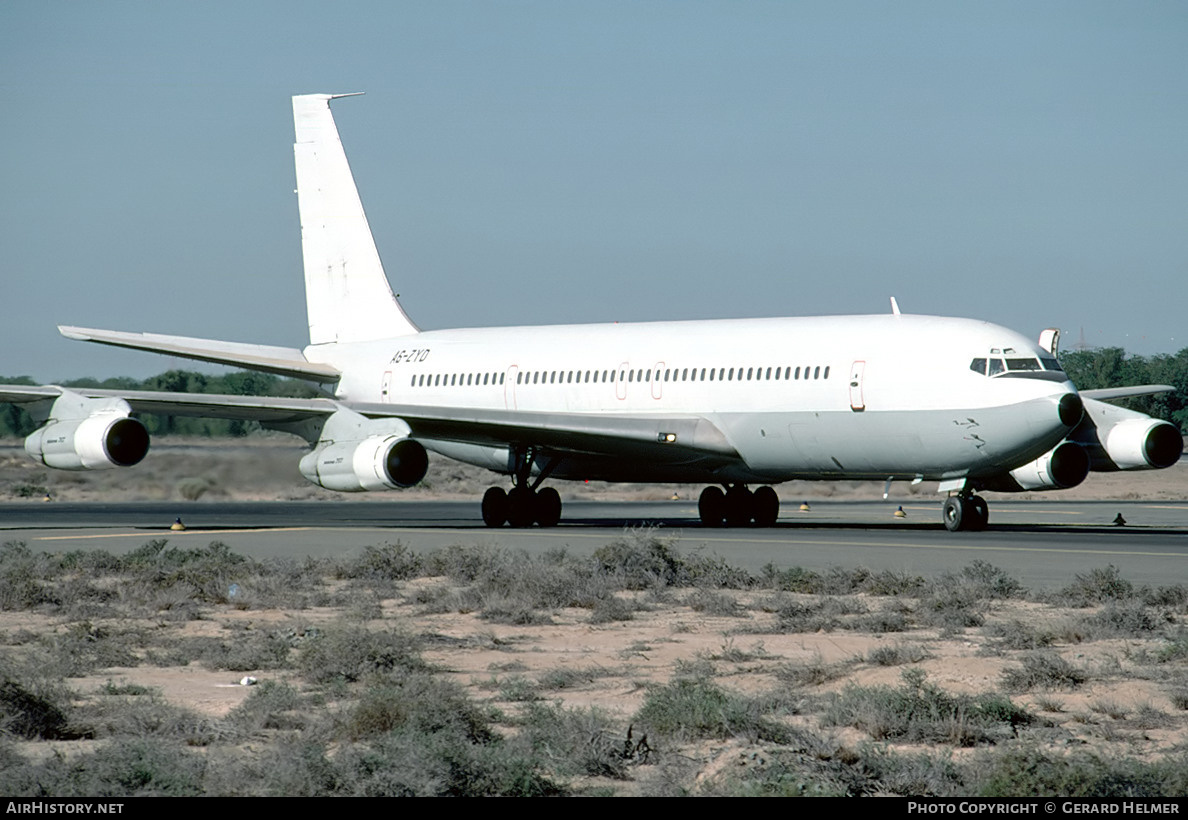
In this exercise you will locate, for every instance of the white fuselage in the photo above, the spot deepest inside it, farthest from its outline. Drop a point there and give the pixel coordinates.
(884, 396)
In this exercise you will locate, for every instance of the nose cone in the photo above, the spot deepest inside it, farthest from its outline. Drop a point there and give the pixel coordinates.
(1071, 408)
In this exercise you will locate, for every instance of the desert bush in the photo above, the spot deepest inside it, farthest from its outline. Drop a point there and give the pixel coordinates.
(814, 672)
(23, 578)
(270, 705)
(986, 579)
(641, 559)
(1095, 587)
(1015, 634)
(693, 708)
(1125, 618)
(145, 716)
(611, 608)
(897, 655)
(247, 651)
(349, 653)
(814, 616)
(793, 579)
(1026, 770)
(140, 767)
(387, 562)
(921, 712)
(81, 648)
(410, 763)
(710, 602)
(1176, 648)
(34, 712)
(578, 741)
(1042, 670)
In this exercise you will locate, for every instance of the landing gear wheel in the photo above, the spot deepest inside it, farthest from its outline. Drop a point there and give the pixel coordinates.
(740, 506)
(711, 506)
(979, 513)
(767, 507)
(521, 509)
(548, 507)
(494, 507)
(953, 512)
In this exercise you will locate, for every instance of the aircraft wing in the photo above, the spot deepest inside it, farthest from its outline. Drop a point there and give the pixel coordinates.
(1106, 393)
(596, 434)
(282, 361)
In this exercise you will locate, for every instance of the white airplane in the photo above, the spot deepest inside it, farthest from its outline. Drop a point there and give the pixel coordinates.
(729, 403)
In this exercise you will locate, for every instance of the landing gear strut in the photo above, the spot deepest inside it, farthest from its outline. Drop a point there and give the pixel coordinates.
(524, 504)
(965, 512)
(738, 506)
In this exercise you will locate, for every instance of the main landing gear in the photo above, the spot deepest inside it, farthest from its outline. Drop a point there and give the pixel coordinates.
(965, 512)
(524, 505)
(738, 506)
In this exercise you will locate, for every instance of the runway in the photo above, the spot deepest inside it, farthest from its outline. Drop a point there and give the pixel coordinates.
(1044, 544)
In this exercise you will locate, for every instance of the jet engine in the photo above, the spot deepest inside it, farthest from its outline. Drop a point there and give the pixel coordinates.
(1066, 465)
(1121, 439)
(1141, 444)
(357, 454)
(89, 434)
(376, 463)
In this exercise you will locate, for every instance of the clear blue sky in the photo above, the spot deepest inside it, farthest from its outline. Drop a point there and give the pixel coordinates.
(538, 162)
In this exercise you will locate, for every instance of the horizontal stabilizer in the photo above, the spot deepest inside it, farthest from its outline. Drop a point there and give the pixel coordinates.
(1107, 393)
(282, 361)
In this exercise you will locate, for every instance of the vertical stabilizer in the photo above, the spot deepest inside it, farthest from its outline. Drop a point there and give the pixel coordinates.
(347, 295)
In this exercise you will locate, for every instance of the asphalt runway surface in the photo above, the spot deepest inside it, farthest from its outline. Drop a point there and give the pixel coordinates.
(1043, 544)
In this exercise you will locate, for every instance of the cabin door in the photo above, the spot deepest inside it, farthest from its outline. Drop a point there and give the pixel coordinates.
(857, 402)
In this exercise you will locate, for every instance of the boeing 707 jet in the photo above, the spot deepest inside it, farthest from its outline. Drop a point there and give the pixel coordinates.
(738, 405)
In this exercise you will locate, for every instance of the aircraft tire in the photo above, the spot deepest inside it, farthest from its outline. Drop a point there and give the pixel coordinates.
(767, 507)
(953, 513)
(979, 513)
(548, 507)
(711, 507)
(521, 507)
(740, 506)
(495, 507)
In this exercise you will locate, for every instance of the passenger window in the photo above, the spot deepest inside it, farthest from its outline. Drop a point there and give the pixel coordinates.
(501, 377)
(817, 372)
(750, 370)
(827, 372)
(798, 374)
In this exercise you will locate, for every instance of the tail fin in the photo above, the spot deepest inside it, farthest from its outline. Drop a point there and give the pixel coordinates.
(347, 295)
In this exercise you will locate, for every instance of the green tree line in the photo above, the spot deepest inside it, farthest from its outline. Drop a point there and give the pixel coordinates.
(15, 420)
(1112, 367)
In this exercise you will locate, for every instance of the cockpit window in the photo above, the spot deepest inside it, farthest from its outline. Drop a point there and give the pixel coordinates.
(1002, 361)
(1023, 364)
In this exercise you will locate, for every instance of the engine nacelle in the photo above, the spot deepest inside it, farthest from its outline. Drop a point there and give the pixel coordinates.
(376, 463)
(1142, 444)
(98, 442)
(1064, 466)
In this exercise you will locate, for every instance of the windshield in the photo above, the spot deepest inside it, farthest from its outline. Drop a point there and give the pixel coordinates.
(1006, 361)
